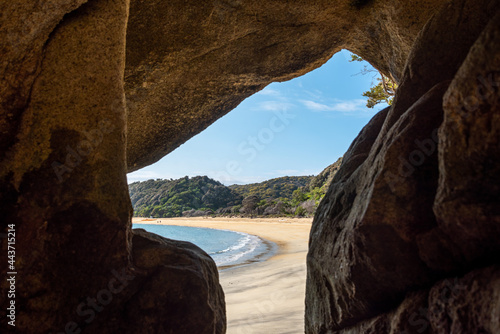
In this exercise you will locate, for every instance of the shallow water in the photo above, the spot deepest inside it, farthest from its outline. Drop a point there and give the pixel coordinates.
(227, 248)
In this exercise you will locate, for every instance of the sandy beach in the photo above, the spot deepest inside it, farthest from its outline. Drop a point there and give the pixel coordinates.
(267, 296)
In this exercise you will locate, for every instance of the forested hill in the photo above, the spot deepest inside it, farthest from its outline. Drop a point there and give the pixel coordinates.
(170, 198)
(274, 188)
(324, 178)
(201, 195)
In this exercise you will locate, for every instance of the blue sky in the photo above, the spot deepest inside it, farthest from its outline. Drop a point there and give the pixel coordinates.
(293, 128)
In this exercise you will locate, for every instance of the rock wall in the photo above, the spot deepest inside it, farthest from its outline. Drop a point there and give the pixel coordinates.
(63, 186)
(63, 180)
(416, 199)
(414, 204)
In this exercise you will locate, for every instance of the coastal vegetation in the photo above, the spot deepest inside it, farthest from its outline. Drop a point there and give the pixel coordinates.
(383, 91)
(202, 196)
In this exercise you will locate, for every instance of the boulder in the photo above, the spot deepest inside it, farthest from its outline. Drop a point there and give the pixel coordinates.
(410, 317)
(177, 290)
(63, 184)
(362, 250)
(468, 304)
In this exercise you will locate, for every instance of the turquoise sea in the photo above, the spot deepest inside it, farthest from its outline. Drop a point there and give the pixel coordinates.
(227, 248)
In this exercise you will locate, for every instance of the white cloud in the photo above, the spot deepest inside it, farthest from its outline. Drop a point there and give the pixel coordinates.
(275, 105)
(347, 106)
(317, 94)
(315, 106)
(269, 92)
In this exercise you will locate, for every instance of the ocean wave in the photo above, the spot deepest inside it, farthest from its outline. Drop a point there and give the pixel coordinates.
(242, 242)
(245, 246)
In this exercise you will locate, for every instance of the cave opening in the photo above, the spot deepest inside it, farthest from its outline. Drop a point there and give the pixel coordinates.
(297, 127)
(273, 145)
(93, 89)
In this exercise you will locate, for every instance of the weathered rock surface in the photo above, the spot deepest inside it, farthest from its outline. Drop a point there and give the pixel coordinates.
(191, 62)
(470, 304)
(66, 193)
(411, 317)
(24, 30)
(374, 211)
(375, 237)
(462, 305)
(455, 27)
(467, 202)
(63, 184)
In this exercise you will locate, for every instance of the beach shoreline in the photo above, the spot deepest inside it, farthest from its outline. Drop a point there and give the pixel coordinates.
(264, 251)
(264, 296)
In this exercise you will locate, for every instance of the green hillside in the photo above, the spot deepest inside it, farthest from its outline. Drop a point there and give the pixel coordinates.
(170, 198)
(274, 188)
(201, 196)
(323, 179)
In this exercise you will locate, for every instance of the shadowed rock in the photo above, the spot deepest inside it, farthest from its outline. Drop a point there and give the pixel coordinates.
(181, 281)
(467, 199)
(462, 305)
(375, 210)
(63, 179)
(376, 236)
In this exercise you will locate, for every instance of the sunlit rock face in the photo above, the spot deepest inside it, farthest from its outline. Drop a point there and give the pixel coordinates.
(62, 165)
(417, 197)
(92, 89)
(190, 62)
(63, 185)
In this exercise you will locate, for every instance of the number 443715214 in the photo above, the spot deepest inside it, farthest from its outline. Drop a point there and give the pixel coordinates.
(11, 241)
